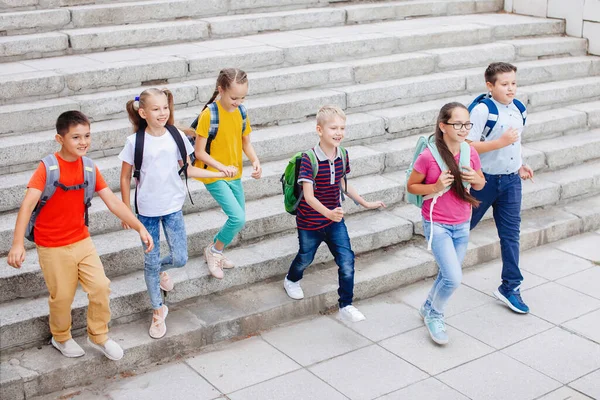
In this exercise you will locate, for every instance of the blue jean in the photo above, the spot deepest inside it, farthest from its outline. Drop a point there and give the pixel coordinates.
(449, 246)
(230, 196)
(503, 193)
(174, 229)
(336, 237)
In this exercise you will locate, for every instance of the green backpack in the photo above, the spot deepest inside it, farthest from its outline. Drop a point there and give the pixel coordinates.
(292, 191)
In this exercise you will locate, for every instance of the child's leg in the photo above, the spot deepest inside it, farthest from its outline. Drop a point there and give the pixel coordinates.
(309, 244)
(152, 261)
(60, 273)
(338, 241)
(174, 229)
(228, 195)
(450, 270)
(95, 283)
(507, 215)
(487, 197)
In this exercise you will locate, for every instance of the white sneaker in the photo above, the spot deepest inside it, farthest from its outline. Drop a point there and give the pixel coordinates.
(70, 348)
(110, 349)
(214, 262)
(351, 314)
(293, 289)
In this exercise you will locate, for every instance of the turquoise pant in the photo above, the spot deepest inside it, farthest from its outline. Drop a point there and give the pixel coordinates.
(230, 196)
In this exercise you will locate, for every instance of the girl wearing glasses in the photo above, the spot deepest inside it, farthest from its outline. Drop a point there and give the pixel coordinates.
(452, 212)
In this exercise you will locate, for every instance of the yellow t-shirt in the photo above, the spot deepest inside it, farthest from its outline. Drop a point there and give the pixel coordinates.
(226, 148)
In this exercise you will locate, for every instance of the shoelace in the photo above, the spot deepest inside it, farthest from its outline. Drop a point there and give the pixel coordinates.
(438, 324)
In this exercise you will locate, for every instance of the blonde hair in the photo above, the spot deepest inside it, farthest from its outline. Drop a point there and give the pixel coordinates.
(134, 105)
(329, 111)
(226, 77)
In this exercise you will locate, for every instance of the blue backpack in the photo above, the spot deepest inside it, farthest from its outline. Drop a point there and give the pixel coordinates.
(417, 199)
(214, 125)
(486, 99)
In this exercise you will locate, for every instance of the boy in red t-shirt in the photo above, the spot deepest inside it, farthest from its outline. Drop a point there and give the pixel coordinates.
(65, 250)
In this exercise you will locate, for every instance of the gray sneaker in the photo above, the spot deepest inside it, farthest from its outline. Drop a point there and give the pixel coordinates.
(110, 349)
(70, 348)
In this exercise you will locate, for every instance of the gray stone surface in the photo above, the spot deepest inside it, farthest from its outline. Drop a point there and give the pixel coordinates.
(487, 277)
(551, 263)
(33, 46)
(588, 384)
(34, 21)
(587, 247)
(564, 393)
(558, 304)
(587, 325)
(430, 389)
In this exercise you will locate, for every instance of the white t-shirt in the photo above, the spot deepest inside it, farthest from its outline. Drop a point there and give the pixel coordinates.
(160, 190)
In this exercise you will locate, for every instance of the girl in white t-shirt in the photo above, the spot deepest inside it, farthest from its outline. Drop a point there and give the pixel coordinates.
(160, 192)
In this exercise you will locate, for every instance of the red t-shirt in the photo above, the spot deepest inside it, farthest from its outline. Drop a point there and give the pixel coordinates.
(62, 220)
(449, 208)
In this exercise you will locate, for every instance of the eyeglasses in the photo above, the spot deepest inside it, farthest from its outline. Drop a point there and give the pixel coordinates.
(458, 126)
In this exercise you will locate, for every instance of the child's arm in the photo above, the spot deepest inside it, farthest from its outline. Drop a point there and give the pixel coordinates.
(123, 212)
(335, 215)
(509, 137)
(416, 186)
(126, 170)
(195, 172)
(202, 155)
(16, 255)
(251, 154)
(353, 194)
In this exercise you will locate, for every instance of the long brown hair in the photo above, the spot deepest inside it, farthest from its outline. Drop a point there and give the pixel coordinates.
(133, 107)
(226, 77)
(457, 186)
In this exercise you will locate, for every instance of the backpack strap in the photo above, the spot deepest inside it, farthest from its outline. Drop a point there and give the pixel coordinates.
(52, 175)
(89, 180)
(491, 119)
(465, 159)
(183, 153)
(138, 156)
(522, 109)
(314, 163)
(214, 126)
(244, 114)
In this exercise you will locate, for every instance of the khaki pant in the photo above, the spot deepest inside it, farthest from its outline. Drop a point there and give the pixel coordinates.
(63, 268)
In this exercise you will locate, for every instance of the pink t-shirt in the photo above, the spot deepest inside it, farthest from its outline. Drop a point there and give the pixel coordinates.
(449, 208)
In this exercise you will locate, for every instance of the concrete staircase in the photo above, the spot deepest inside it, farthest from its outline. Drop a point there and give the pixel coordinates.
(389, 70)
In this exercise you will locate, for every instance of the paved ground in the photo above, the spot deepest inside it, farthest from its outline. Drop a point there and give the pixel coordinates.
(551, 354)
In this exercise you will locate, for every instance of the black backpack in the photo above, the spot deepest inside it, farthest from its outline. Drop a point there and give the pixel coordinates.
(139, 157)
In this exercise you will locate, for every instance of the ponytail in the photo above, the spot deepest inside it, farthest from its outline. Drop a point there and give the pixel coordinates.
(133, 107)
(226, 77)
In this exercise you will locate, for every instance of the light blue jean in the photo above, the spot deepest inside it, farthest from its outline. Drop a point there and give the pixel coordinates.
(174, 229)
(230, 196)
(449, 248)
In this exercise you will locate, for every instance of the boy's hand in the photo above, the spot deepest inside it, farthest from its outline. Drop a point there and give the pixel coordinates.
(16, 256)
(336, 214)
(374, 204)
(445, 179)
(509, 137)
(470, 175)
(525, 172)
(256, 169)
(147, 240)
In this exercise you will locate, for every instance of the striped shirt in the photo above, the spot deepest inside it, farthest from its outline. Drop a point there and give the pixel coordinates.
(326, 188)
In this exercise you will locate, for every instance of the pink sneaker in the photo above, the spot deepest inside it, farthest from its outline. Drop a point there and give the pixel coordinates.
(214, 262)
(166, 283)
(158, 328)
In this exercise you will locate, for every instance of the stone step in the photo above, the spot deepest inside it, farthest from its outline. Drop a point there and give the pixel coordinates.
(277, 142)
(25, 22)
(264, 217)
(570, 150)
(170, 64)
(24, 321)
(246, 311)
(17, 5)
(127, 32)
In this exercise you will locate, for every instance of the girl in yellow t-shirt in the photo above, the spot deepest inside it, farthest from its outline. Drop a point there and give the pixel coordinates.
(220, 149)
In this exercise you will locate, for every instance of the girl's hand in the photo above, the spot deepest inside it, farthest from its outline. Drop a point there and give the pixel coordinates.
(16, 256)
(374, 204)
(525, 172)
(446, 179)
(471, 176)
(230, 171)
(124, 225)
(147, 240)
(256, 169)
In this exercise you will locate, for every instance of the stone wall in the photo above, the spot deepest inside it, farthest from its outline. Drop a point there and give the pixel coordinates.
(582, 16)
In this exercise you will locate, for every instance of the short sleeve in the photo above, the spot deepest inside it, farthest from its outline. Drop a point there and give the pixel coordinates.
(203, 123)
(347, 163)
(475, 161)
(248, 127)
(422, 162)
(100, 182)
(306, 172)
(38, 179)
(479, 116)
(127, 154)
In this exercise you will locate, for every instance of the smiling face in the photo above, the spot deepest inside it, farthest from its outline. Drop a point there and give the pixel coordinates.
(452, 135)
(75, 142)
(505, 87)
(233, 96)
(155, 110)
(332, 131)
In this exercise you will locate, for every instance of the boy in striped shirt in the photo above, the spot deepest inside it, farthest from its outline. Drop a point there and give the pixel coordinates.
(320, 217)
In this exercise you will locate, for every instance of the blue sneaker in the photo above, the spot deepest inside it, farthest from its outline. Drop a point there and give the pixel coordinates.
(437, 329)
(512, 299)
